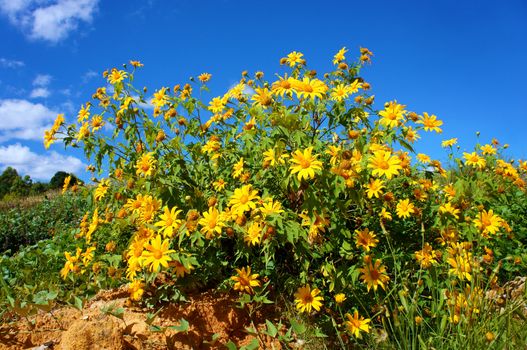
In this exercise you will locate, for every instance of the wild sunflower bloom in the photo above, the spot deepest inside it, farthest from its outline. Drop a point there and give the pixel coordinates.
(365, 239)
(67, 181)
(58, 123)
(49, 138)
(383, 163)
(356, 324)
(262, 97)
(474, 160)
(294, 58)
(160, 98)
(97, 122)
(374, 188)
(237, 168)
(305, 164)
(146, 165)
(448, 208)
(84, 131)
(71, 263)
(405, 208)
(157, 254)
(212, 223)
(243, 198)
(488, 149)
(340, 298)
(339, 56)
(204, 77)
(253, 236)
(245, 281)
(449, 142)
(488, 222)
(307, 299)
(136, 64)
(430, 123)
(217, 105)
(101, 189)
(168, 223)
(427, 256)
(271, 207)
(339, 93)
(374, 275)
(423, 158)
(135, 288)
(84, 113)
(284, 86)
(392, 115)
(310, 88)
(460, 266)
(116, 76)
(219, 185)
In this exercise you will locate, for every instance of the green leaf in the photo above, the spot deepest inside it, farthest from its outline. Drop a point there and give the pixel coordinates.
(271, 328)
(298, 327)
(183, 326)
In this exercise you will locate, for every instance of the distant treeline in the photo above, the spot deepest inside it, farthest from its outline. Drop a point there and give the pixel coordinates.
(12, 185)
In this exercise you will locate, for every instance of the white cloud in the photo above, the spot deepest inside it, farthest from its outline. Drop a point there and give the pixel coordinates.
(7, 63)
(89, 75)
(42, 80)
(49, 20)
(22, 119)
(38, 166)
(39, 92)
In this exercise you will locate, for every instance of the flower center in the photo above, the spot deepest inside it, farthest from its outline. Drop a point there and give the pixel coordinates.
(158, 254)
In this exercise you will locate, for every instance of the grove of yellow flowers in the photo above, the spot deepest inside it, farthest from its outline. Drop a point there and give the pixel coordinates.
(299, 180)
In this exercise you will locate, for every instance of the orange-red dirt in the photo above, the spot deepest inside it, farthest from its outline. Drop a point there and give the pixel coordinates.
(208, 313)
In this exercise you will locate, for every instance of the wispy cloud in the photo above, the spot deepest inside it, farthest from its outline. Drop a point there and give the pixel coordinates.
(48, 20)
(40, 93)
(38, 166)
(40, 84)
(24, 120)
(7, 63)
(89, 75)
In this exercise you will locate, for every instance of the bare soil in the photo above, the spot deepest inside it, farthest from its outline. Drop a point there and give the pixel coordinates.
(213, 317)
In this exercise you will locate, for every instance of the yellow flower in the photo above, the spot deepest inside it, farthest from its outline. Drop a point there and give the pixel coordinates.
(488, 222)
(340, 298)
(58, 122)
(219, 185)
(305, 164)
(365, 239)
(488, 149)
(310, 88)
(430, 123)
(449, 142)
(356, 324)
(294, 58)
(67, 181)
(211, 223)
(135, 288)
(243, 199)
(284, 86)
(160, 98)
(339, 56)
(49, 138)
(340, 92)
(384, 214)
(307, 299)
(237, 169)
(448, 208)
(334, 152)
(168, 222)
(157, 254)
(423, 158)
(146, 165)
(253, 236)
(262, 97)
(271, 207)
(217, 105)
(392, 115)
(245, 281)
(374, 188)
(383, 163)
(374, 275)
(473, 159)
(84, 113)
(101, 189)
(71, 263)
(84, 131)
(204, 77)
(116, 76)
(460, 266)
(136, 64)
(404, 208)
(97, 122)
(427, 257)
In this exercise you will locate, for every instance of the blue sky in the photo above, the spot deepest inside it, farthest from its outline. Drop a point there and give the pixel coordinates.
(464, 61)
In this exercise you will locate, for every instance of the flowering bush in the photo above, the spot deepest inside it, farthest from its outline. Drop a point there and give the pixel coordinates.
(298, 188)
